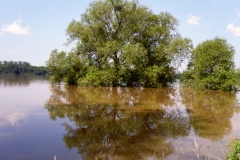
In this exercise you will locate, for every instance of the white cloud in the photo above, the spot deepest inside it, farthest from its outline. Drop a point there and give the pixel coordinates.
(193, 19)
(235, 30)
(15, 28)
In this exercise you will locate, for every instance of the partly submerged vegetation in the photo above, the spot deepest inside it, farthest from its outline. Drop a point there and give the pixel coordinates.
(21, 68)
(238, 77)
(122, 43)
(234, 153)
(212, 66)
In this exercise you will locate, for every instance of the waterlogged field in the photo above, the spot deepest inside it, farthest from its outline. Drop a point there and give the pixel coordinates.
(39, 121)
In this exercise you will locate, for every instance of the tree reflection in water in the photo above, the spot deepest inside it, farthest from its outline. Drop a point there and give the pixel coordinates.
(210, 111)
(118, 123)
(15, 81)
(21, 81)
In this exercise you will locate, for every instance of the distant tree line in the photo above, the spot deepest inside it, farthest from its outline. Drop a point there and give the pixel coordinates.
(22, 68)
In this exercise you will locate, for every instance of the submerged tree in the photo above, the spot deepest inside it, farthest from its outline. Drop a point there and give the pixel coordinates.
(121, 42)
(212, 66)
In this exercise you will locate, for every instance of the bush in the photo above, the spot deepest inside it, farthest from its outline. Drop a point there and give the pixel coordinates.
(234, 153)
(212, 66)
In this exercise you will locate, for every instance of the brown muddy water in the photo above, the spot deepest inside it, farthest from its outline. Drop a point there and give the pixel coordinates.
(39, 121)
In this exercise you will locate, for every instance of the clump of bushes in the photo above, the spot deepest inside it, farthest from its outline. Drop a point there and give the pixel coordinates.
(234, 153)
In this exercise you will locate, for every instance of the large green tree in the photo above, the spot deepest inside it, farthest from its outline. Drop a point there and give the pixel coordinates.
(212, 66)
(122, 42)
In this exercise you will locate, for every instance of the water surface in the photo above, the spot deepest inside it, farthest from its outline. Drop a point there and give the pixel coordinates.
(38, 121)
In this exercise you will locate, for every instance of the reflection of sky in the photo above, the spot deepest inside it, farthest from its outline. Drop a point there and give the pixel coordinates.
(187, 146)
(236, 125)
(13, 118)
(16, 103)
(39, 138)
(26, 131)
(216, 149)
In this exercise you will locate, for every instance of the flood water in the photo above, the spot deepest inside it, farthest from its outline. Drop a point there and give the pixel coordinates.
(39, 121)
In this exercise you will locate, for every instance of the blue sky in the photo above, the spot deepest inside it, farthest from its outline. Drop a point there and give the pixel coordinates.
(30, 30)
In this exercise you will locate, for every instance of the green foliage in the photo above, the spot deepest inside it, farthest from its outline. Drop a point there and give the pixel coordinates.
(238, 76)
(155, 74)
(96, 77)
(234, 153)
(56, 66)
(21, 68)
(121, 42)
(212, 66)
(64, 67)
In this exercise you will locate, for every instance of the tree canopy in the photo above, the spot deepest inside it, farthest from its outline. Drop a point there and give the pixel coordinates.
(212, 66)
(120, 42)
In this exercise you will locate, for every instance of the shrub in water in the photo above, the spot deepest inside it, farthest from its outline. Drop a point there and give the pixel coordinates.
(234, 153)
